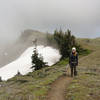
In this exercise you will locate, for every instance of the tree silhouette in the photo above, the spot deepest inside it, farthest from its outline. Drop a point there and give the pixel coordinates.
(37, 60)
(65, 42)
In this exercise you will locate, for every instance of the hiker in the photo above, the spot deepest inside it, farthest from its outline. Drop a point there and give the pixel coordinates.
(73, 62)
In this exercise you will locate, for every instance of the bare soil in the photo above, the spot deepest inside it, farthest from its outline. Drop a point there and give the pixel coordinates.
(58, 88)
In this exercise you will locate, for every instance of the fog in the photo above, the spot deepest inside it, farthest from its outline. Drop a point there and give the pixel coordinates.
(82, 17)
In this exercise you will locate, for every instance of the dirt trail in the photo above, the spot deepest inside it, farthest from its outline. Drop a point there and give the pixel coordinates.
(58, 88)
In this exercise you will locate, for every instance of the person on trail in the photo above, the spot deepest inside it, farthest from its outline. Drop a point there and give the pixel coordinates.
(73, 62)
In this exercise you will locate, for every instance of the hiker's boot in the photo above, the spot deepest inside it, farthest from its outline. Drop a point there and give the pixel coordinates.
(75, 73)
(71, 74)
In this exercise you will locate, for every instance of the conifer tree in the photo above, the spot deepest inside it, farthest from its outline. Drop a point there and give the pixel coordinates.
(65, 42)
(37, 60)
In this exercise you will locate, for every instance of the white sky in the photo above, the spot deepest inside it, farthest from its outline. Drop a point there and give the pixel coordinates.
(81, 16)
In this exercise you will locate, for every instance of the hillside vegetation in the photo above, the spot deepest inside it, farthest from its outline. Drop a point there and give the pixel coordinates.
(86, 86)
(35, 85)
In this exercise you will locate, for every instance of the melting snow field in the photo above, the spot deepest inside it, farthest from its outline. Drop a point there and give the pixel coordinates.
(23, 63)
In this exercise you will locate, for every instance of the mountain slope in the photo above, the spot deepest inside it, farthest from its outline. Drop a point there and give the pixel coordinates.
(35, 85)
(86, 86)
(23, 63)
(14, 50)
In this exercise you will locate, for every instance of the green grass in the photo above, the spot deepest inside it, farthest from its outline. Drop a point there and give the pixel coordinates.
(86, 52)
(34, 85)
(84, 87)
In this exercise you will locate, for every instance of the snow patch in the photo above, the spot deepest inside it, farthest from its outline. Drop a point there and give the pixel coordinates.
(23, 63)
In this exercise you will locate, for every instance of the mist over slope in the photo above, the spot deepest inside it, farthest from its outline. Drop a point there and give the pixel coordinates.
(14, 50)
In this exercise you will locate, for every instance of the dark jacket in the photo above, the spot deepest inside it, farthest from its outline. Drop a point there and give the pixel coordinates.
(73, 59)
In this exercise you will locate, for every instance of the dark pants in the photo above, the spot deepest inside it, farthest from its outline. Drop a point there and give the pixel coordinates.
(73, 71)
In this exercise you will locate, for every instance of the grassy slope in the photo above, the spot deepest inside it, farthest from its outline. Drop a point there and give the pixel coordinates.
(35, 85)
(86, 86)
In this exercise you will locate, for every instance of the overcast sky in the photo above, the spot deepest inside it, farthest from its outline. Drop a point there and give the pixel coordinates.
(81, 16)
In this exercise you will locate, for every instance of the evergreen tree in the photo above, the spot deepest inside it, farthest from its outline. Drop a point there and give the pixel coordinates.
(65, 42)
(37, 61)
